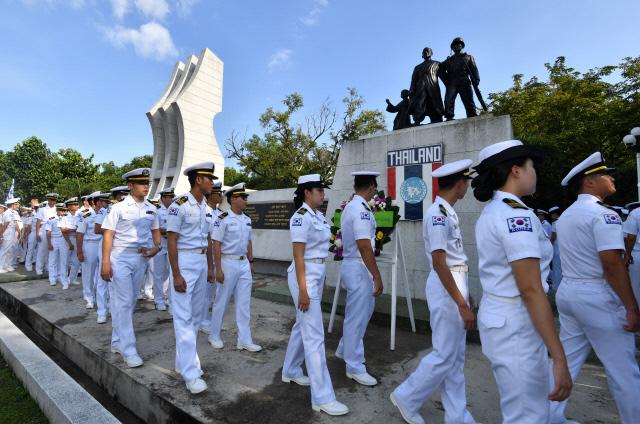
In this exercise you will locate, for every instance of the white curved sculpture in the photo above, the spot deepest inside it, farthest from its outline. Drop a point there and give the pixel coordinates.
(182, 122)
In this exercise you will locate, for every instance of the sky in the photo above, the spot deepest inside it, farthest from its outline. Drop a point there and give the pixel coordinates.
(83, 73)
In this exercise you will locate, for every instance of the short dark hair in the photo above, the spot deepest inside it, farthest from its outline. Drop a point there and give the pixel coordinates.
(362, 182)
(191, 177)
(445, 183)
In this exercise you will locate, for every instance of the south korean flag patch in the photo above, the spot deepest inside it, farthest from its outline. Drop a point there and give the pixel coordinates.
(612, 218)
(365, 216)
(519, 223)
(438, 220)
(296, 222)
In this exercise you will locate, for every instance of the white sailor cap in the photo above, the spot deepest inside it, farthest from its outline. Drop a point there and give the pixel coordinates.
(365, 174)
(540, 212)
(631, 206)
(204, 168)
(624, 211)
(137, 175)
(618, 208)
(154, 199)
(217, 187)
(120, 189)
(311, 180)
(506, 150)
(94, 194)
(71, 201)
(52, 195)
(167, 192)
(61, 206)
(2, 205)
(594, 163)
(553, 209)
(101, 195)
(236, 190)
(85, 197)
(12, 201)
(458, 167)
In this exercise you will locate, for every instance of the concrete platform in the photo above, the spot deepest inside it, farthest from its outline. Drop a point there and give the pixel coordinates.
(246, 388)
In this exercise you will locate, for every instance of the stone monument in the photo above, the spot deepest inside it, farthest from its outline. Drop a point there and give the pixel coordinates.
(182, 122)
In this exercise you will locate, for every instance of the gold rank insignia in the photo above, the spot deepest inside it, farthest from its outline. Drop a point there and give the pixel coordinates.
(181, 200)
(301, 211)
(443, 210)
(514, 204)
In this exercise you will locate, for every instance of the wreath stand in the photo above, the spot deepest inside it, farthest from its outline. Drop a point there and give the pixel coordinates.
(397, 259)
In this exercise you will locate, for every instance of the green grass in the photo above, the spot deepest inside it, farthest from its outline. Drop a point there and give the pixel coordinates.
(16, 405)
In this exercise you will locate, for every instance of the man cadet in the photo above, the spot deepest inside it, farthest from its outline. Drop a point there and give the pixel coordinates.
(44, 214)
(127, 246)
(160, 262)
(188, 220)
(30, 256)
(233, 254)
(56, 243)
(87, 250)
(450, 306)
(546, 225)
(69, 224)
(595, 302)
(631, 230)
(359, 274)
(213, 200)
(103, 204)
(11, 233)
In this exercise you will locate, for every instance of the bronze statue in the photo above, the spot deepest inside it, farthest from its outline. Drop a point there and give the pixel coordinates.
(426, 99)
(402, 119)
(459, 72)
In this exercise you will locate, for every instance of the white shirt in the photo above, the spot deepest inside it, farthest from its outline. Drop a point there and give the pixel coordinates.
(441, 231)
(190, 220)
(632, 226)
(69, 221)
(547, 227)
(585, 229)
(87, 226)
(162, 222)
(131, 223)
(11, 218)
(312, 229)
(44, 214)
(505, 234)
(357, 223)
(233, 231)
(53, 226)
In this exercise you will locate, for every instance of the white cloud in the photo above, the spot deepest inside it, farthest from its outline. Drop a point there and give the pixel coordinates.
(75, 4)
(152, 9)
(120, 8)
(151, 40)
(313, 16)
(184, 7)
(279, 60)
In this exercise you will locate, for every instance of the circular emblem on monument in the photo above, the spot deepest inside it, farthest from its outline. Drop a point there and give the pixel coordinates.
(413, 190)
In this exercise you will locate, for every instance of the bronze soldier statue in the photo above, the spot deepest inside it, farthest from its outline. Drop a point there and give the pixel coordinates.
(402, 119)
(426, 99)
(459, 71)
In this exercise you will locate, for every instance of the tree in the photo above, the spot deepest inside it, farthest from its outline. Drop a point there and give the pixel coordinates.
(572, 115)
(31, 164)
(287, 150)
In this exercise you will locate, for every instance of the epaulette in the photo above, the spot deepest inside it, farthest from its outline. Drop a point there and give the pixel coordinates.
(514, 204)
(302, 211)
(223, 215)
(443, 210)
(366, 206)
(86, 215)
(179, 201)
(53, 217)
(158, 206)
(606, 206)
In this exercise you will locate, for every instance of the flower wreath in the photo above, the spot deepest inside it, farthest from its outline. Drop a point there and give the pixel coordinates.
(386, 215)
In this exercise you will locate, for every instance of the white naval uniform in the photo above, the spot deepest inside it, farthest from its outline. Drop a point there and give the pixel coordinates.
(556, 263)
(307, 335)
(591, 313)
(42, 251)
(103, 288)
(32, 242)
(131, 223)
(90, 243)
(547, 227)
(211, 288)
(9, 247)
(160, 269)
(357, 223)
(70, 221)
(57, 262)
(444, 367)
(632, 226)
(506, 233)
(190, 220)
(234, 233)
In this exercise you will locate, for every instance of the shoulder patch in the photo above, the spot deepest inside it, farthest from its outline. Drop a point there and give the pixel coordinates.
(612, 218)
(438, 220)
(443, 210)
(514, 204)
(301, 211)
(223, 215)
(519, 223)
(181, 200)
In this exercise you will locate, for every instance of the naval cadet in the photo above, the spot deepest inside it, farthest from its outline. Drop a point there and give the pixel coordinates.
(449, 303)
(56, 243)
(130, 237)
(515, 319)
(69, 225)
(631, 230)
(11, 234)
(103, 205)
(87, 242)
(43, 216)
(595, 301)
(161, 272)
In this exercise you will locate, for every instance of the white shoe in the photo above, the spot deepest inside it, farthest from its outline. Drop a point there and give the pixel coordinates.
(332, 408)
(365, 379)
(161, 307)
(65, 287)
(301, 381)
(196, 386)
(570, 422)
(408, 416)
(251, 347)
(133, 361)
(217, 344)
(2, 271)
(89, 305)
(115, 350)
(39, 273)
(52, 283)
(10, 269)
(75, 283)
(101, 319)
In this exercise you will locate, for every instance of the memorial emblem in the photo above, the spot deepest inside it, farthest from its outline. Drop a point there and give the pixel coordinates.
(413, 190)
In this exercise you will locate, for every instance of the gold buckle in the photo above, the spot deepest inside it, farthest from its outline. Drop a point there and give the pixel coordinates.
(241, 257)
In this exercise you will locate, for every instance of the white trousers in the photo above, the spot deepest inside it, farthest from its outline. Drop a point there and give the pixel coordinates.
(518, 356)
(209, 297)
(592, 316)
(444, 367)
(30, 256)
(128, 271)
(8, 248)
(72, 260)
(634, 273)
(102, 287)
(89, 269)
(58, 261)
(358, 310)
(306, 343)
(42, 251)
(186, 308)
(160, 271)
(237, 283)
